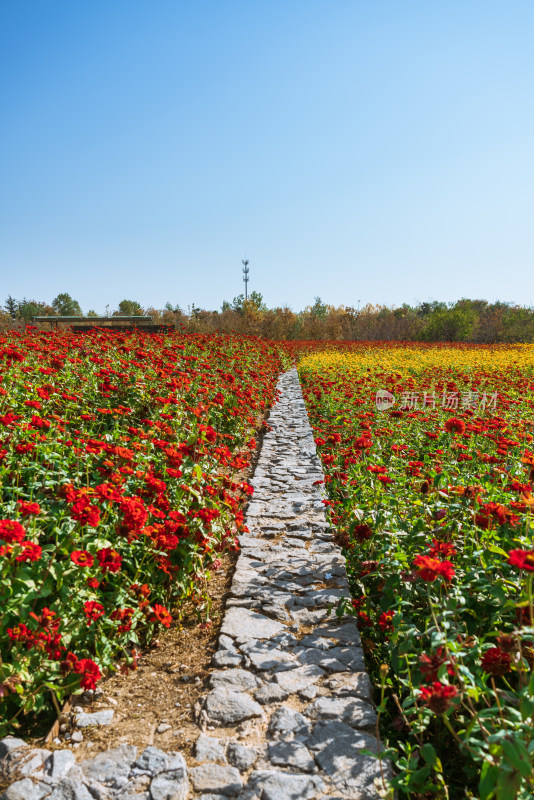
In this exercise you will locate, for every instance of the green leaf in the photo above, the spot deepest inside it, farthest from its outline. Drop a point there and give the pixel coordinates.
(508, 784)
(517, 755)
(488, 780)
(428, 754)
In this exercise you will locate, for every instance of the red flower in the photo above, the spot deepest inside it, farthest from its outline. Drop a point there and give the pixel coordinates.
(89, 671)
(82, 558)
(496, 661)
(522, 559)
(385, 479)
(11, 531)
(84, 513)
(429, 665)
(438, 697)
(455, 425)
(109, 559)
(362, 532)
(135, 513)
(442, 549)
(30, 552)
(93, 583)
(429, 568)
(385, 620)
(29, 509)
(92, 611)
(161, 615)
(68, 663)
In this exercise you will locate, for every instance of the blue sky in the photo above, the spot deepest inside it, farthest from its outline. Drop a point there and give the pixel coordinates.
(378, 151)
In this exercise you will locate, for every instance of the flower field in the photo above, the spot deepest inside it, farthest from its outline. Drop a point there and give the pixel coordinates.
(120, 458)
(432, 501)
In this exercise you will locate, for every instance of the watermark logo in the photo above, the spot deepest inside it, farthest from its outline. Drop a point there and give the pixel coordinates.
(384, 400)
(450, 401)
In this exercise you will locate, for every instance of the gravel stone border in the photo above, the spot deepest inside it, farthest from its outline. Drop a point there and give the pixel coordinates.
(289, 712)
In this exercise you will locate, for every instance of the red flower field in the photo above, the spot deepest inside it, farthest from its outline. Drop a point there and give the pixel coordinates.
(118, 457)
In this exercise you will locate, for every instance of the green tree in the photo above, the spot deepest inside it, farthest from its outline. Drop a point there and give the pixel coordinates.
(27, 309)
(255, 302)
(11, 307)
(319, 309)
(450, 325)
(92, 313)
(65, 306)
(129, 308)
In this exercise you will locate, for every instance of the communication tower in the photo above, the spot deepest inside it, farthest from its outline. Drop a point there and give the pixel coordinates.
(245, 276)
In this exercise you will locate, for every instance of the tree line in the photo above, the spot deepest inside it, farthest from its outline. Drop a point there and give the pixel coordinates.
(463, 321)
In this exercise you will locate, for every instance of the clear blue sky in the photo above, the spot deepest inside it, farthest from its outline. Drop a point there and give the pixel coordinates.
(371, 150)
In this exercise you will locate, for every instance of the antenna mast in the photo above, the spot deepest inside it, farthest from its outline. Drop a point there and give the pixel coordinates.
(245, 276)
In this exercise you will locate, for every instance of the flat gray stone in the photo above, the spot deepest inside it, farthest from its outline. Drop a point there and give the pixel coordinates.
(353, 684)
(319, 642)
(287, 720)
(152, 759)
(243, 624)
(9, 744)
(236, 679)
(59, 763)
(337, 659)
(27, 789)
(227, 658)
(104, 717)
(355, 712)
(264, 657)
(228, 707)
(168, 787)
(270, 693)
(208, 748)
(136, 789)
(293, 680)
(70, 789)
(291, 754)
(337, 748)
(111, 767)
(346, 633)
(213, 778)
(28, 761)
(277, 785)
(241, 757)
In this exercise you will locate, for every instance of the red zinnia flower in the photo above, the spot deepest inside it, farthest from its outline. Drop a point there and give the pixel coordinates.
(89, 671)
(429, 568)
(29, 509)
(385, 620)
(82, 558)
(84, 513)
(362, 532)
(429, 665)
(30, 552)
(92, 610)
(161, 615)
(135, 513)
(455, 425)
(11, 531)
(441, 549)
(438, 697)
(522, 559)
(496, 661)
(109, 559)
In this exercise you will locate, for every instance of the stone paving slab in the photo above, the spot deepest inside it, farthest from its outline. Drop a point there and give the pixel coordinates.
(306, 673)
(288, 714)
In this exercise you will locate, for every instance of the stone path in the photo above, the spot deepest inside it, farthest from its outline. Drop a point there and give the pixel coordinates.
(289, 710)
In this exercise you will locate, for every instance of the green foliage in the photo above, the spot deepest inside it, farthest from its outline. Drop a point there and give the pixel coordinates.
(130, 308)
(65, 306)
